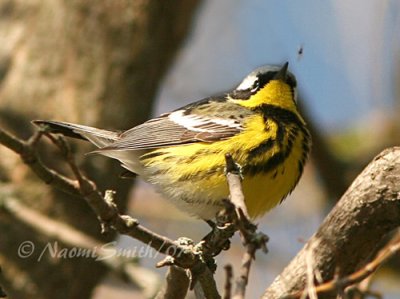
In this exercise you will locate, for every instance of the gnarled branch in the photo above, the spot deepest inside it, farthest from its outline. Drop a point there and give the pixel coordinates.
(349, 236)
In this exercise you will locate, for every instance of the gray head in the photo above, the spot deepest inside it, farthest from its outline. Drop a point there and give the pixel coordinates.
(260, 77)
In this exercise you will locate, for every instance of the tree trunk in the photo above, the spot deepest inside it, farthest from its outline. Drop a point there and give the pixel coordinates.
(93, 62)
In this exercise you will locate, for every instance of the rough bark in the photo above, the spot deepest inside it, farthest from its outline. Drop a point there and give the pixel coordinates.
(176, 285)
(97, 63)
(350, 235)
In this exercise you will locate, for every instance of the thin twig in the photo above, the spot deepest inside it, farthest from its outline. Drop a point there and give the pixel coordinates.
(361, 290)
(251, 239)
(105, 208)
(311, 293)
(30, 157)
(242, 280)
(107, 212)
(349, 235)
(198, 258)
(228, 281)
(234, 178)
(341, 283)
(68, 235)
(356, 293)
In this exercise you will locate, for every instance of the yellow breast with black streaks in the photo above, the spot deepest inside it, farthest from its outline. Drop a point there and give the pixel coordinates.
(192, 175)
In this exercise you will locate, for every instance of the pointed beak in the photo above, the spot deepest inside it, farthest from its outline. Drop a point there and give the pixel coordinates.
(281, 75)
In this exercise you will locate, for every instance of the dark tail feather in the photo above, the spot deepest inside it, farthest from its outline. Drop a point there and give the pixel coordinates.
(58, 128)
(98, 137)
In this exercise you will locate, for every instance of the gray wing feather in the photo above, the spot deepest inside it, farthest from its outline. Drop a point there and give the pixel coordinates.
(182, 127)
(192, 123)
(163, 132)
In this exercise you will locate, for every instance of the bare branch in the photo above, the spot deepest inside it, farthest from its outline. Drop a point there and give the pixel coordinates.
(242, 280)
(28, 154)
(228, 281)
(233, 175)
(341, 283)
(176, 284)
(197, 258)
(348, 237)
(251, 239)
(106, 211)
(69, 236)
(208, 284)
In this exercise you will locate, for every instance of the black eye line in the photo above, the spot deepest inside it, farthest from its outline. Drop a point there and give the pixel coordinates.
(265, 78)
(260, 81)
(256, 84)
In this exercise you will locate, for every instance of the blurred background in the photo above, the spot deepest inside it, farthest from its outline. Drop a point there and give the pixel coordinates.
(118, 63)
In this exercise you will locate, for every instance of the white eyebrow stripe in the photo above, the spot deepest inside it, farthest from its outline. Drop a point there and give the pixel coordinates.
(247, 83)
(195, 122)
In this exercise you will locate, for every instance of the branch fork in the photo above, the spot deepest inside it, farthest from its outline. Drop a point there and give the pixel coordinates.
(197, 259)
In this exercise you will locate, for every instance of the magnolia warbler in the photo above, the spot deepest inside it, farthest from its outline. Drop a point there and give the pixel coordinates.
(182, 153)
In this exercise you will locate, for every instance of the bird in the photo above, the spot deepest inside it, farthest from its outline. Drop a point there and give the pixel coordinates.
(182, 152)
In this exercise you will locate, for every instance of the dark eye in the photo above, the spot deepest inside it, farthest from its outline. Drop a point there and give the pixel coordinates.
(256, 85)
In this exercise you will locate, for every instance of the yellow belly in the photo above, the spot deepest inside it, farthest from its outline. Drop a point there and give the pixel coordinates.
(197, 183)
(262, 192)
